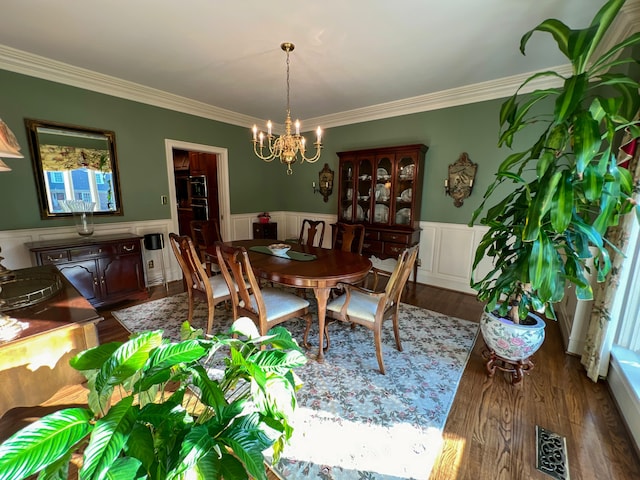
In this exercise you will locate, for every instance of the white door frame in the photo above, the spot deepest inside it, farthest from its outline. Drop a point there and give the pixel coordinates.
(222, 165)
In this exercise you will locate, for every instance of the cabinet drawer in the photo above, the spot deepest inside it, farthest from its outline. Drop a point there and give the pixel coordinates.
(404, 238)
(91, 251)
(372, 247)
(128, 247)
(393, 249)
(371, 235)
(51, 257)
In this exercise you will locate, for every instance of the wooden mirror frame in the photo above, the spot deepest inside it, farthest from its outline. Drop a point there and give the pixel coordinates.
(79, 146)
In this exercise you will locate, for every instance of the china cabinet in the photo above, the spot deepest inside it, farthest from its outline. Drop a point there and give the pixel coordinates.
(105, 269)
(382, 189)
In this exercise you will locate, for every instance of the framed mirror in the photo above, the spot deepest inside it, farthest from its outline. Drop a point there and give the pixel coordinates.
(74, 163)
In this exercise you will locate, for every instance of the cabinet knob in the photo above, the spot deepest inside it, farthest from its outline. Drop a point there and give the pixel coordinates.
(53, 259)
(127, 248)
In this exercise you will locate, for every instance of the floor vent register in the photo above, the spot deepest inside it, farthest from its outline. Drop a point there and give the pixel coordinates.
(551, 454)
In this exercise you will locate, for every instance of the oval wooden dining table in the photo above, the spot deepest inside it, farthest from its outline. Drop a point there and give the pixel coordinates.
(320, 274)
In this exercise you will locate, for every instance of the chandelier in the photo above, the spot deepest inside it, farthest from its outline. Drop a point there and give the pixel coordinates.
(285, 147)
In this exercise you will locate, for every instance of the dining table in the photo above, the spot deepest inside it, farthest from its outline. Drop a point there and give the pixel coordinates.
(305, 267)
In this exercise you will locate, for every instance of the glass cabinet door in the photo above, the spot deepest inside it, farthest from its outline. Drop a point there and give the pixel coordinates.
(406, 168)
(383, 191)
(347, 183)
(362, 192)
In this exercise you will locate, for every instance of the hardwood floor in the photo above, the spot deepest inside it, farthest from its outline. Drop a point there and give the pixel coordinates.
(490, 432)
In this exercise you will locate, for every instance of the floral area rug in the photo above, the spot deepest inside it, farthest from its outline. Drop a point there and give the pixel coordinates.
(352, 422)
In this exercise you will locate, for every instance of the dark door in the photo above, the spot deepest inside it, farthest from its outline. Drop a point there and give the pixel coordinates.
(200, 163)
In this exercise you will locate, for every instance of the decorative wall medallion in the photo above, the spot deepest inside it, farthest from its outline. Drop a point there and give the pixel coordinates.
(459, 182)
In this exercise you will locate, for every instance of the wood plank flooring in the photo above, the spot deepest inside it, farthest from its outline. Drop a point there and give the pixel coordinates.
(490, 433)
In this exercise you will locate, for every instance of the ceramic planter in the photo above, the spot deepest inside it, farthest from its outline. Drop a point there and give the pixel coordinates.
(510, 341)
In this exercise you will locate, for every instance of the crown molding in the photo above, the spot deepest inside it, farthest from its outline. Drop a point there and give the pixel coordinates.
(32, 65)
(36, 66)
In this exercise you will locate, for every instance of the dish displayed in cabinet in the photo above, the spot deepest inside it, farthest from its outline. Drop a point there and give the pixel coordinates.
(406, 173)
(406, 195)
(359, 213)
(382, 192)
(403, 215)
(382, 174)
(381, 214)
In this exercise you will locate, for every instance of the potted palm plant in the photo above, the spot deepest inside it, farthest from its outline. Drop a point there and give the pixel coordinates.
(565, 189)
(157, 412)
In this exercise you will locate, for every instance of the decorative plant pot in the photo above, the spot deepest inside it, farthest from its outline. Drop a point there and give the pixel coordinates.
(510, 340)
(511, 345)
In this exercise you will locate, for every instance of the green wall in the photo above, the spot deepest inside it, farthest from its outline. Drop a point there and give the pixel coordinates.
(255, 185)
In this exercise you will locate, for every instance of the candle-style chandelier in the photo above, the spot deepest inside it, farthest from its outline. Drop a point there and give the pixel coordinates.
(285, 147)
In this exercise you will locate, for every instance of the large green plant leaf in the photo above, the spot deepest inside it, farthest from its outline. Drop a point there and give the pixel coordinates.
(586, 140)
(108, 439)
(158, 368)
(94, 358)
(562, 206)
(141, 446)
(571, 97)
(43, 442)
(196, 444)
(556, 28)
(602, 20)
(123, 469)
(127, 360)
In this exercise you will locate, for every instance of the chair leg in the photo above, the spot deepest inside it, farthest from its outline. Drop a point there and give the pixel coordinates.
(396, 331)
(190, 314)
(377, 334)
(210, 313)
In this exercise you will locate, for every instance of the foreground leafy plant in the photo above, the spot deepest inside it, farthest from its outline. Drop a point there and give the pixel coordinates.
(202, 428)
(566, 188)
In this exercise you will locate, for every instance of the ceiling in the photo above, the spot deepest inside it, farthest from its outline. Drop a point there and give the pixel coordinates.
(354, 59)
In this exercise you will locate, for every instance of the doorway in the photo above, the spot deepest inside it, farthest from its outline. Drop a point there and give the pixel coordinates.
(208, 154)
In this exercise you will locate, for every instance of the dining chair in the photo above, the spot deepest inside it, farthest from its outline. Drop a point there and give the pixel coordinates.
(268, 306)
(311, 233)
(369, 307)
(348, 237)
(205, 233)
(199, 285)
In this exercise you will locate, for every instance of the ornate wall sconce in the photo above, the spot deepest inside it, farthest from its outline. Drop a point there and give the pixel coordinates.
(459, 182)
(325, 184)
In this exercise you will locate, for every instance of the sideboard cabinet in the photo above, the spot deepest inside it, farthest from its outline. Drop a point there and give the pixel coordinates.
(104, 269)
(382, 189)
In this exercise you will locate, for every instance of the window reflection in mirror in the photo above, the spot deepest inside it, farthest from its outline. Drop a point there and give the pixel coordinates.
(74, 163)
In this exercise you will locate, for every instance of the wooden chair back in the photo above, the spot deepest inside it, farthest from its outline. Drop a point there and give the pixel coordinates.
(348, 237)
(311, 233)
(197, 282)
(204, 233)
(266, 307)
(400, 275)
(373, 305)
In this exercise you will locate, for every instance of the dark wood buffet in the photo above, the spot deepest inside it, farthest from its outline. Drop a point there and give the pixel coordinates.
(105, 269)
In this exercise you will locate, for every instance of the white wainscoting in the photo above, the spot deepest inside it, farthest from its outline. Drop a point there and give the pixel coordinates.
(446, 249)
